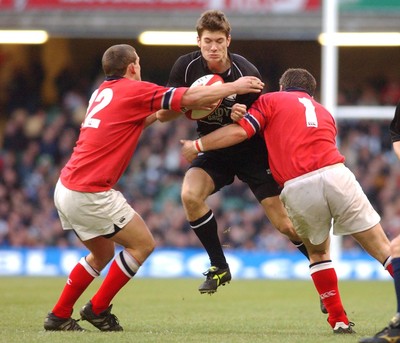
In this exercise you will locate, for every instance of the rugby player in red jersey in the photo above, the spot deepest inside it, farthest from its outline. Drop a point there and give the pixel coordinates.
(318, 189)
(118, 112)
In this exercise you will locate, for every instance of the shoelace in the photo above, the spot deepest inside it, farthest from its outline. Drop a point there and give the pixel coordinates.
(108, 321)
(72, 325)
(75, 325)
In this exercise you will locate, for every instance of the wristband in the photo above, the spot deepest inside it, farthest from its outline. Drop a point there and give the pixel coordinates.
(198, 145)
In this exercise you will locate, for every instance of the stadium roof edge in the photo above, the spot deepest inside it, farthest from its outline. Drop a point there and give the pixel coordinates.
(124, 24)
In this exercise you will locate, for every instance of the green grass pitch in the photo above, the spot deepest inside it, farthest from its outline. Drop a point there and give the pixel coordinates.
(172, 310)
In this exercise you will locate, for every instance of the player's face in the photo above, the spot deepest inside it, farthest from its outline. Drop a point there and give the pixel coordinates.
(214, 46)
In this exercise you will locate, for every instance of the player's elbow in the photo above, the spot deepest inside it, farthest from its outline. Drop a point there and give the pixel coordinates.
(164, 116)
(161, 116)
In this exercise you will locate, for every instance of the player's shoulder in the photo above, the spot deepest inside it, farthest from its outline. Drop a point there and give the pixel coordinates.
(189, 57)
(244, 65)
(184, 67)
(240, 60)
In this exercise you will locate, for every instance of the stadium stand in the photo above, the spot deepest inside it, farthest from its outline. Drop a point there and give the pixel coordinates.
(44, 91)
(37, 141)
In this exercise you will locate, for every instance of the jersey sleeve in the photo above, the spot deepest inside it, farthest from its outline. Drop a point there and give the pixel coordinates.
(250, 124)
(159, 97)
(175, 104)
(395, 125)
(254, 120)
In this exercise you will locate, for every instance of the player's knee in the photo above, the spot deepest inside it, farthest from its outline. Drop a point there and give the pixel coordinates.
(147, 246)
(285, 230)
(150, 246)
(142, 251)
(190, 199)
(288, 230)
(100, 261)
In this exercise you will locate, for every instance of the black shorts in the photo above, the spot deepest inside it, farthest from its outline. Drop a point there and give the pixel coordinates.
(248, 161)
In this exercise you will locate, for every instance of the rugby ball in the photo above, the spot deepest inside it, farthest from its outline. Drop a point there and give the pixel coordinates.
(206, 80)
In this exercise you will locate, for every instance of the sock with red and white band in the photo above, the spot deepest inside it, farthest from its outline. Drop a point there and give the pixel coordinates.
(122, 269)
(388, 265)
(326, 282)
(79, 279)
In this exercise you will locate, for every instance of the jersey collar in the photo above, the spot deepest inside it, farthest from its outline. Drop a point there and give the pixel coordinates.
(113, 78)
(296, 89)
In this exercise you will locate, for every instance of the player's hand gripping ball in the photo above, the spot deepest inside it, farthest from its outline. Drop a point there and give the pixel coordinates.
(206, 80)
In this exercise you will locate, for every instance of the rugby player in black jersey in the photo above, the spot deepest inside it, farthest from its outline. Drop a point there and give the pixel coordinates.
(391, 333)
(213, 170)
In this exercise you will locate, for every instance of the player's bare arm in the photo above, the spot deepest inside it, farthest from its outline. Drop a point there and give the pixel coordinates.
(150, 119)
(226, 136)
(203, 96)
(167, 115)
(396, 148)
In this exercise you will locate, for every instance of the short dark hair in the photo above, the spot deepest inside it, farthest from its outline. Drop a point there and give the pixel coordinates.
(213, 20)
(116, 59)
(298, 78)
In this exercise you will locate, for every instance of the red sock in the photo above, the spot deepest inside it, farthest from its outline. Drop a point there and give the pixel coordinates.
(79, 279)
(388, 266)
(326, 282)
(122, 269)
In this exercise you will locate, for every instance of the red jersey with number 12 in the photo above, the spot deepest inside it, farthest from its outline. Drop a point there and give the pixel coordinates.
(299, 132)
(109, 134)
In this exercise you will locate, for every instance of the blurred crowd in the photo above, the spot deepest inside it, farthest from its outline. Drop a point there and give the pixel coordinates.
(37, 142)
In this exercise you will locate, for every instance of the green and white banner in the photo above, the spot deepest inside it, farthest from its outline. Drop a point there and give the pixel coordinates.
(368, 5)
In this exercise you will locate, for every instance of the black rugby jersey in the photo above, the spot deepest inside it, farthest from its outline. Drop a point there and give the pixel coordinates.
(188, 68)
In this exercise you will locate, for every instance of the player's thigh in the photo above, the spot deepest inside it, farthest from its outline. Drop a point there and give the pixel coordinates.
(348, 203)
(197, 184)
(375, 242)
(305, 202)
(276, 212)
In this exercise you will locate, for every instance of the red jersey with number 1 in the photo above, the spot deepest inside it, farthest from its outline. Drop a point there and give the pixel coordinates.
(109, 134)
(299, 132)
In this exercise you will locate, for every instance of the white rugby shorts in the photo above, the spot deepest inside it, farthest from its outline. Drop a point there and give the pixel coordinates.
(325, 197)
(91, 214)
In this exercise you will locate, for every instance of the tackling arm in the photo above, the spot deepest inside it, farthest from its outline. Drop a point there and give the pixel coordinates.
(150, 120)
(224, 137)
(203, 96)
(167, 115)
